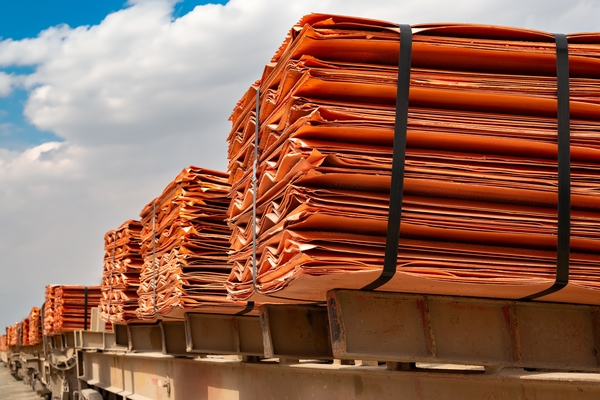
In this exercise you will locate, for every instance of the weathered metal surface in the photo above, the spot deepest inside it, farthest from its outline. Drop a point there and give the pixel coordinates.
(110, 342)
(68, 340)
(402, 327)
(89, 340)
(144, 338)
(173, 338)
(121, 335)
(131, 376)
(223, 334)
(295, 331)
(166, 378)
(106, 341)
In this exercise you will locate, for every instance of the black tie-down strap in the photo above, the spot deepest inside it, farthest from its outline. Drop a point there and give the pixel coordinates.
(249, 307)
(563, 247)
(85, 309)
(398, 158)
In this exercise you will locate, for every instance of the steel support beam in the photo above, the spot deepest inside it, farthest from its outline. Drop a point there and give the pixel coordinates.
(295, 332)
(105, 341)
(173, 338)
(142, 377)
(144, 338)
(223, 334)
(442, 329)
(89, 340)
(121, 335)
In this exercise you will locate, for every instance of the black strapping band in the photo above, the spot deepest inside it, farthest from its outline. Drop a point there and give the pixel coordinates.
(85, 309)
(398, 159)
(563, 246)
(249, 307)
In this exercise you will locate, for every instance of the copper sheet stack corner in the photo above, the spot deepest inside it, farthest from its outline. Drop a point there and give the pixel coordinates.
(121, 275)
(65, 308)
(35, 326)
(49, 305)
(3, 342)
(480, 181)
(25, 332)
(185, 244)
(12, 333)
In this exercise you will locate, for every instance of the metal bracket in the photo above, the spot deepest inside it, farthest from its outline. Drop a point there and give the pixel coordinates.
(223, 334)
(295, 332)
(408, 328)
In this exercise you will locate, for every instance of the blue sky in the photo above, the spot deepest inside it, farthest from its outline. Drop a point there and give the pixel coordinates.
(21, 19)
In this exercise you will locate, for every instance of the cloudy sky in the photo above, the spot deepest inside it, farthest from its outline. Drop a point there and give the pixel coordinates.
(100, 107)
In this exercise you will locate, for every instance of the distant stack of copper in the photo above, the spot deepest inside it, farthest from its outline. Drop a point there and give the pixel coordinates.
(68, 308)
(121, 277)
(35, 326)
(13, 335)
(185, 241)
(3, 343)
(24, 333)
(48, 322)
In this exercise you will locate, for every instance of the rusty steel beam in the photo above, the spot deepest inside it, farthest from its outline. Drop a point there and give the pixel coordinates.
(296, 331)
(405, 328)
(105, 341)
(121, 335)
(223, 334)
(89, 340)
(173, 338)
(144, 338)
(158, 377)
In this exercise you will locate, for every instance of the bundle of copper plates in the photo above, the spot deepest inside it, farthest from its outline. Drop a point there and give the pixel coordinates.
(12, 335)
(121, 276)
(479, 209)
(25, 332)
(49, 305)
(185, 244)
(69, 307)
(4, 342)
(35, 326)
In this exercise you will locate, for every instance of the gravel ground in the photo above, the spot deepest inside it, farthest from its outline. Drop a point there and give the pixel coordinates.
(10, 388)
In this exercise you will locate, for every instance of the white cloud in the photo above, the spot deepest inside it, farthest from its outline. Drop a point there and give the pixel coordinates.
(141, 95)
(6, 84)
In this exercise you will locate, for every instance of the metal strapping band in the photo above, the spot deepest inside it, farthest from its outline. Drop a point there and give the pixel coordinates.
(563, 246)
(154, 266)
(398, 160)
(110, 293)
(85, 309)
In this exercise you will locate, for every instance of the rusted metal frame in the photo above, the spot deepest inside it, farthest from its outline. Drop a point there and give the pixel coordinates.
(110, 342)
(98, 341)
(295, 332)
(399, 327)
(223, 334)
(167, 378)
(121, 335)
(173, 338)
(89, 340)
(144, 338)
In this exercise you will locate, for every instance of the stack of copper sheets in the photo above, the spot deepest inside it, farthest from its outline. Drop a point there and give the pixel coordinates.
(35, 326)
(479, 212)
(4, 342)
(49, 305)
(121, 276)
(12, 333)
(69, 308)
(185, 241)
(25, 332)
